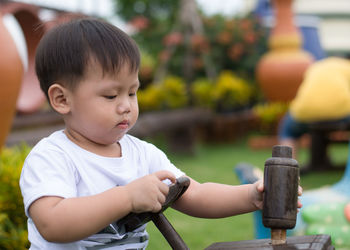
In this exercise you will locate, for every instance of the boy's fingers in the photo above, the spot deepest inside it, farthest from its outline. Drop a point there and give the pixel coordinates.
(161, 198)
(164, 188)
(260, 186)
(300, 190)
(299, 204)
(163, 174)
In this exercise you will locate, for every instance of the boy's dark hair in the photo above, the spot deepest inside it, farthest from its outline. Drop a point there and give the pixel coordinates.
(65, 51)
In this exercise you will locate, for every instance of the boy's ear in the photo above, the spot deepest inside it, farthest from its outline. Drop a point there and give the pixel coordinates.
(58, 96)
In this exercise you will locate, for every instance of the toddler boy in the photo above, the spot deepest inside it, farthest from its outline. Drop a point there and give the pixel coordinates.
(79, 181)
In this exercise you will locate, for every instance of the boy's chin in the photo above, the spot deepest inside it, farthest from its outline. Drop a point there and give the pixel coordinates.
(115, 139)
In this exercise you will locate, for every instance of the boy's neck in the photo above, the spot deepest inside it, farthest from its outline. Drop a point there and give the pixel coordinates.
(111, 150)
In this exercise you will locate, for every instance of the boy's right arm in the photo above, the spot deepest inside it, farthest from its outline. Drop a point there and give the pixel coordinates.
(71, 219)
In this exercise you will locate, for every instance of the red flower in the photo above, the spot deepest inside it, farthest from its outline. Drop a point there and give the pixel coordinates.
(172, 39)
(164, 56)
(140, 22)
(235, 51)
(224, 37)
(246, 24)
(199, 42)
(250, 37)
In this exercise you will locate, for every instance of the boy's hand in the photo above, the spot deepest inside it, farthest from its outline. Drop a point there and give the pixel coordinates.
(300, 192)
(257, 194)
(147, 194)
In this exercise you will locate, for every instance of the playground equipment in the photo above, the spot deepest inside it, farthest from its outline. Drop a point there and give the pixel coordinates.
(322, 206)
(20, 32)
(133, 220)
(329, 218)
(12, 68)
(30, 97)
(280, 209)
(307, 24)
(280, 71)
(331, 198)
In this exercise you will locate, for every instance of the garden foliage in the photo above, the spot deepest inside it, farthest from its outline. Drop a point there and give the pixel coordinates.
(269, 114)
(227, 92)
(168, 94)
(224, 44)
(13, 222)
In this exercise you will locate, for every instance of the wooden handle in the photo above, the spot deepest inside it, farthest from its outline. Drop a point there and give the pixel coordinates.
(169, 233)
(278, 236)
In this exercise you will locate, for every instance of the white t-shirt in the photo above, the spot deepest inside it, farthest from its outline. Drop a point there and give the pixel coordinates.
(58, 167)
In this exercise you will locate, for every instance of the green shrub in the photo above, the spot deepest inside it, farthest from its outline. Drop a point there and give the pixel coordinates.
(13, 222)
(231, 91)
(147, 68)
(201, 90)
(150, 98)
(269, 114)
(228, 92)
(175, 92)
(171, 93)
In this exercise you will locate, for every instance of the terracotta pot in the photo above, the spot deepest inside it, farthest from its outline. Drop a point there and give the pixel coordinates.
(280, 71)
(31, 98)
(11, 74)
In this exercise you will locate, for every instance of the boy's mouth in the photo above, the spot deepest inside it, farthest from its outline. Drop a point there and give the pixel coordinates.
(123, 124)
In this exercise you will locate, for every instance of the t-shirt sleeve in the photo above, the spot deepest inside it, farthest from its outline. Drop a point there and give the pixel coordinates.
(159, 161)
(46, 173)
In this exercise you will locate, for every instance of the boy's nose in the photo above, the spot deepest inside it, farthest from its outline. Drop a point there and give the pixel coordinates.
(123, 106)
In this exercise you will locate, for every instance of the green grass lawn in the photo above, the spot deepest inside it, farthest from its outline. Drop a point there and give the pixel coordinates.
(215, 163)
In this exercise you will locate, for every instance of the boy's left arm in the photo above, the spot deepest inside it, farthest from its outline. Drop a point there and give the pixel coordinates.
(213, 200)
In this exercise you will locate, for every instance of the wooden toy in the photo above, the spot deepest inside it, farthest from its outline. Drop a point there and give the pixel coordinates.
(281, 180)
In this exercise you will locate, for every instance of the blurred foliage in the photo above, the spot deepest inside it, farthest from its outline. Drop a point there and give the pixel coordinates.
(227, 92)
(151, 19)
(236, 44)
(202, 93)
(231, 91)
(13, 222)
(154, 10)
(269, 114)
(147, 68)
(227, 43)
(169, 94)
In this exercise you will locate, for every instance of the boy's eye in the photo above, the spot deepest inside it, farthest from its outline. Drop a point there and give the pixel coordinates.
(110, 97)
(132, 94)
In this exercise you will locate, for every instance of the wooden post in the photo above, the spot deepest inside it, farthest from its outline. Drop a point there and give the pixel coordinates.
(281, 180)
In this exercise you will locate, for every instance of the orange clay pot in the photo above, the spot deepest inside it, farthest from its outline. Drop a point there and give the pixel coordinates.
(11, 74)
(280, 71)
(30, 98)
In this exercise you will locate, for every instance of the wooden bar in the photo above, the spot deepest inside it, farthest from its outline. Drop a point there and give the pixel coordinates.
(313, 242)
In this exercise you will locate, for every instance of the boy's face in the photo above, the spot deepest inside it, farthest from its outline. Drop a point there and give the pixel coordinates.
(103, 107)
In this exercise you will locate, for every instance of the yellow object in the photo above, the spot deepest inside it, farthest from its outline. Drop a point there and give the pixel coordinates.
(324, 93)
